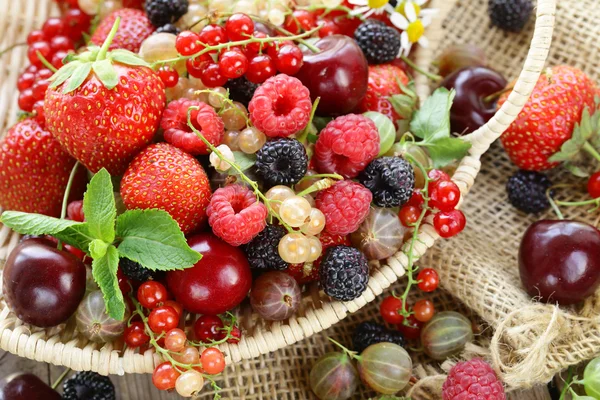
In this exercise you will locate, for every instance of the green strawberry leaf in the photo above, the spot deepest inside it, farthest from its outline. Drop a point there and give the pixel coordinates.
(127, 57)
(99, 207)
(153, 239)
(387, 131)
(243, 160)
(107, 74)
(576, 170)
(64, 73)
(35, 224)
(445, 151)
(80, 74)
(104, 271)
(587, 128)
(432, 121)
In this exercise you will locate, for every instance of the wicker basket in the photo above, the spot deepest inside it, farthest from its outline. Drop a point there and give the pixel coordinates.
(318, 312)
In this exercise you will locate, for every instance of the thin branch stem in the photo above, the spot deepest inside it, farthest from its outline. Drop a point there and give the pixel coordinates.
(11, 47)
(61, 378)
(591, 150)
(41, 57)
(433, 77)
(65, 202)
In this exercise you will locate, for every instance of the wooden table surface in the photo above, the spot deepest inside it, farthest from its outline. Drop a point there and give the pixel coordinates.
(139, 387)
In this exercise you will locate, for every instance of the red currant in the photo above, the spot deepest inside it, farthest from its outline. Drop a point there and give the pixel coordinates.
(32, 53)
(39, 89)
(169, 76)
(390, 309)
(416, 200)
(176, 306)
(35, 36)
(273, 49)
(235, 335)
(428, 279)
(423, 310)
(73, 3)
(437, 175)
(289, 59)
(232, 64)
(211, 76)
(260, 69)
(151, 294)
(40, 117)
(208, 328)
(25, 81)
(329, 28)
(413, 328)
(32, 68)
(300, 20)
(409, 215)
(135, 335)
(213, 35)
(57, 59)
(123, 281)
(188, 43)
(43, 73)
(26, 100)
(195, 66)
(449, 223)
(252, 49)
(444, 195)
(75, 211)
(175, 340)
(163, 319)
(165, 376)
(239, 27)
(54, 27)
(213, 361)
(61, 43)
(593, 185)
(77, 22)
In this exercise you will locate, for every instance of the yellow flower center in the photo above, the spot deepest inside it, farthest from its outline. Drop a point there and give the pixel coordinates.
(401, 8)
(415, 31)
(377, 3)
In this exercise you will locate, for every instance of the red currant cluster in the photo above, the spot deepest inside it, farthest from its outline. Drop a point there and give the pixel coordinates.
(332, 22)
(247, 56)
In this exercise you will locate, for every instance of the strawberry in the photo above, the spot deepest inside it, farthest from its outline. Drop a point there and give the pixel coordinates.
(382, 84)
(549, 118)
(133, 29)
(35, 171)
(105, 107)
(165, 177)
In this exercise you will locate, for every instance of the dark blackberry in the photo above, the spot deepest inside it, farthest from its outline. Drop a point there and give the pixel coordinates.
(369, 333)
(136, 272)
(163, 12)
(379, 42)
(390, 179)
(510, 15)
(262, 251)
(281, 162)
(168, 28)
(88, 385)
(527, 191)
(344, 273)
(241, 89)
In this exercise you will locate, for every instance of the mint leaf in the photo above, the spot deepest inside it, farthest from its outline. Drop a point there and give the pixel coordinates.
(104, 271)
(153, 239)
(432, 121)
(98, 248)
(387, 131)
(77, 235)
(444, 151)
(35, 224)
(99, 207)
(243, 160)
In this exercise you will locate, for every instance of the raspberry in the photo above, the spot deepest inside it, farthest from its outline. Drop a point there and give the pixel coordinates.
(235, 216)
(527, 191)
(179, 134)
(345, 205)
(390, 179)
(379, 42)
(344, 273)
(472, 380)
(282, 162)
(347, 145)
(281, 106)
(262, 251)
(369, 333)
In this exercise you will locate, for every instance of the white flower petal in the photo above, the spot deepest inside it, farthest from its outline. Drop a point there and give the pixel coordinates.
(370, 12)
(359, 2)
(426, 20)
(411, 13)
(359, 10)
(423, 41)
(400, 22)
(389, 8)
(420, 2)
(404, 42)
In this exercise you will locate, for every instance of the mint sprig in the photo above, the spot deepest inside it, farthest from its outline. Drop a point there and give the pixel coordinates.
(150, 237)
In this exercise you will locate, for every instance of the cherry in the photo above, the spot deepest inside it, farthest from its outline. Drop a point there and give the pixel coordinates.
(43, 285)
(409, 215)
(472, 84)
(169, 76)
(35, 36)
(593, 185)
(151, 294)
(135, 335)
(300, 20)
(239, 27)
(232, 64)
(187, 43)
(25, 386)
(217, 283)
(338, 74)
(165, 376)
(390, 309)
(428, 279)
(411, 331)
(260, 69)
(32, 52)
(77, 22)
(289, 59)
(163, 319)
(213, 361)
(207, 328)
(444, 195)
(558, 261)
(449, 223)
(423, 310)
(211, 76)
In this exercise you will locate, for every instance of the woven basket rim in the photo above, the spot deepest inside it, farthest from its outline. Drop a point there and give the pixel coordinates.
(24, 341)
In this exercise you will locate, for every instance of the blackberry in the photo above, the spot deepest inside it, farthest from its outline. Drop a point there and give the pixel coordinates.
(163, 12)
(344, 273)
(527, 191)
(136, 272)
(390, 179)
(369, 333)
(262, 251)
(510, 15)
(281, 162)
(379, 42)
(88, 385)
(241, 89)
(168, 28)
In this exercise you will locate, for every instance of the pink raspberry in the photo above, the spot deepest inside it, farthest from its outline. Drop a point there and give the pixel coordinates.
(179, 134)
(235, 216)
(281, 106)
(345, 205)
(347, 145)
(472, 380)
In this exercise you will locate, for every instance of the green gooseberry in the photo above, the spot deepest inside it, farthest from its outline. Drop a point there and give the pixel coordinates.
(385, 367)
(591, 379)
(334, 377)
(446, 335)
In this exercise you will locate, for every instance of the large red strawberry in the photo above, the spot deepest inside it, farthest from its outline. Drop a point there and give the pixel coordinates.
(165, 177)
(549, 117)
(382, 84)
(34, 171)
(133, 29)
(104, 108)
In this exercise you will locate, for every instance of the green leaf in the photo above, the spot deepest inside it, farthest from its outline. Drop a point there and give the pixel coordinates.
(104, 271)
(77, 235)
(127, 57)
(432, 121)
(584, 130)
(446, 150)
(80, 74)
(243, 160)
(153, 239)
(106, 73)
(35, 224)
(99, 207)
(387, 131)
(321, 122)
(63, 74)
(98, 248)
(576, 170)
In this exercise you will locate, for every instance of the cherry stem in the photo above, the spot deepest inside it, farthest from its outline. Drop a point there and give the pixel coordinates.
(352, 354)
(61, 378)
(568, 384)
(555, 203)
(111, 35)
(41, 57)
(433, 77)
(496, 95)
(65, 202)
(591, 150)
(555, 208)
(12, 47)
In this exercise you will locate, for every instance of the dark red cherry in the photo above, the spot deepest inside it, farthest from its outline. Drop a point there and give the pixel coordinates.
(24, 386)
(473, 84)
(43, 285)
(558, 261)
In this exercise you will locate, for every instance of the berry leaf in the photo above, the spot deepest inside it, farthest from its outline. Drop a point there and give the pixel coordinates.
(445, 151)
(77, 235)
(98, 248)
(106, 73)
(63, 74)
(587, 128)
(432, 120)
(99, 207)
(79, 76)
(153, 239)
(243, 160)
(127, 57)
(35, 224)
(387, 131)
(104, 271)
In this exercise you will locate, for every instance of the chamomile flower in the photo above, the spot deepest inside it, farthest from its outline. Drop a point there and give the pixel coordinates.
(366, 8)
(409, 17)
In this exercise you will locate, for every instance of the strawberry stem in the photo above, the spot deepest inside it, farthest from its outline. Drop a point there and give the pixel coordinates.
(111, 35)
(65, 202)
(591, 150)
(433, 77)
